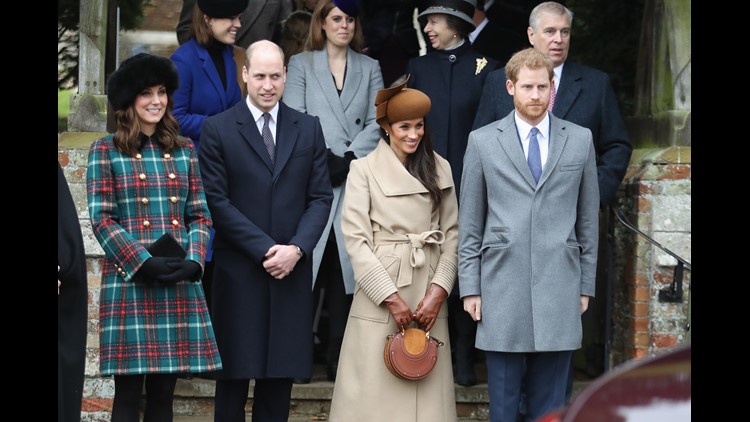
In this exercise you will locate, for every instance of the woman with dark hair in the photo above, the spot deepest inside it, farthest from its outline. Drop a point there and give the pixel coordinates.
(400, 223)
(453, 76)
(210, 69)
(143, 183)
(207, 65)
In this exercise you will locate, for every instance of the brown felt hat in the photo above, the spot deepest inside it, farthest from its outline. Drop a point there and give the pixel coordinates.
(399, 103)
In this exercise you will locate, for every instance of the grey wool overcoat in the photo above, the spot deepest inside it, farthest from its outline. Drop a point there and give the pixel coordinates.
(348, 122)
(528, 249)
(396, 243)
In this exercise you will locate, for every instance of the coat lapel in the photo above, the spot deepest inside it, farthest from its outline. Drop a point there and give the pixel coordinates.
(390, 175)
(212, 75)
(570, 88)
(327, 86)
(558, 136)
(352, 81)
(287, 133)
(510, 141)
(249, 131)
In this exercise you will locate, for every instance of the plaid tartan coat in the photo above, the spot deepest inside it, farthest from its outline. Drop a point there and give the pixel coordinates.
(132, 201)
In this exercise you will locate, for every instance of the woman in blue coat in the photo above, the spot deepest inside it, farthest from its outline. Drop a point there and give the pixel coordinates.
(206, 65)
(208, 78)
(452, 76)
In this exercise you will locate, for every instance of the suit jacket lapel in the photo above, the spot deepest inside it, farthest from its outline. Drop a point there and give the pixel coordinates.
(327, 86)
(249, 16)
(570, 88)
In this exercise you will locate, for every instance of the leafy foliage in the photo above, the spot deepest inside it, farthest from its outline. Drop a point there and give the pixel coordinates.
(68, 17)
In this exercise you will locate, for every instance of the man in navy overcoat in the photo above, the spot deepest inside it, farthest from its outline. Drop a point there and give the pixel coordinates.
(269, 204)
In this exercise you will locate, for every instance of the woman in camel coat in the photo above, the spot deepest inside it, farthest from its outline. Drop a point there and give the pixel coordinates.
(401, 232)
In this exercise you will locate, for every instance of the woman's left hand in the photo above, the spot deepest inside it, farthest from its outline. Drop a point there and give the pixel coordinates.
(429, 306)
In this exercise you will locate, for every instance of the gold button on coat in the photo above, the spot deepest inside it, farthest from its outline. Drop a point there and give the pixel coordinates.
(172, 176)
(142, 176)
(144, 201)
(173, 199)
(175, 222)
(146, 223)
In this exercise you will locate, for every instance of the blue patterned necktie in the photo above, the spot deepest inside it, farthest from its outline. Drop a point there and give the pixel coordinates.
(535, 158)
(268, 138)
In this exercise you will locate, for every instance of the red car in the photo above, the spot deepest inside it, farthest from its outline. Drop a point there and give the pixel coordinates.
(653, 389)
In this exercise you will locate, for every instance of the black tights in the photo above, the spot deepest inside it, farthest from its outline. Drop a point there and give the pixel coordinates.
(159, 396)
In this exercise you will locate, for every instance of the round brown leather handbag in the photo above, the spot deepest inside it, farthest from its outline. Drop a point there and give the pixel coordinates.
(411, 353)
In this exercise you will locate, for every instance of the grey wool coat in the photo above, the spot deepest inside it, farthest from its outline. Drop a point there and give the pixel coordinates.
(396, 243)
(528, 249)
(348, 123)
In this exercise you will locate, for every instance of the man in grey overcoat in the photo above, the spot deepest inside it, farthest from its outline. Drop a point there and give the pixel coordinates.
(528, 245)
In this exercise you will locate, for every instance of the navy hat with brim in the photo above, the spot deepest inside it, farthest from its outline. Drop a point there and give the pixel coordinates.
(138, 72)
(462, 9)
(350, 7)
(222, 8)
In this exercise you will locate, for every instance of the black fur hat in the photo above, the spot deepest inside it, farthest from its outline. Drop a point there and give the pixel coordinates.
(222, 8)
(140, 71)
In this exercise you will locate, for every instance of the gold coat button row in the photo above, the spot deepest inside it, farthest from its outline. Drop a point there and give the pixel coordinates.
(172, 176)
(167, 156)
(173, 199)
(146, 223)
(144, 201)
(142, 176)
(138, 156)
(175, 223)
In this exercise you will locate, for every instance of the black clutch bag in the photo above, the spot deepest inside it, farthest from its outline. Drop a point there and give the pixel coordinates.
(167, 246)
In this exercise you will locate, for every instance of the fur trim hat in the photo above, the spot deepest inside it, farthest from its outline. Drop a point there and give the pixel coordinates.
(399, 103)
(138, 72)
(463, 9)
(222, 8)
(350, 7)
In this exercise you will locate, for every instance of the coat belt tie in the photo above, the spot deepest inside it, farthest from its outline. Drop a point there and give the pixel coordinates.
(416, 255)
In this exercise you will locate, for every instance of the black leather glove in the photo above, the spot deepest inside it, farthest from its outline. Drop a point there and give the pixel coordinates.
(338, 167)
(154, 267)
(184, 269)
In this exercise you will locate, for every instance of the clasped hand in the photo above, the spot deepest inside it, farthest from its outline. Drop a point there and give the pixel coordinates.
(169, 270)
(429, 307)
(281, 260)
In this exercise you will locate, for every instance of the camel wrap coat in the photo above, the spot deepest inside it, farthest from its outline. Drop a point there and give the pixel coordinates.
(396, 243)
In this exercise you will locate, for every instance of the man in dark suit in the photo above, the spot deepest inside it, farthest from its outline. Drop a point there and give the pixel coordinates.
(584, 96)
(266, 179)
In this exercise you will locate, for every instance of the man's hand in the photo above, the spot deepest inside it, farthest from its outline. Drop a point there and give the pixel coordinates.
(584, 303)
(473, 305)
(280, 260)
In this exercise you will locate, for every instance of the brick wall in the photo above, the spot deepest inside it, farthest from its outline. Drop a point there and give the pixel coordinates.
(658, 203)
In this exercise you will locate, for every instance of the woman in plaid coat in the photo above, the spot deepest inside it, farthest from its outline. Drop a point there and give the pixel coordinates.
(143, 181)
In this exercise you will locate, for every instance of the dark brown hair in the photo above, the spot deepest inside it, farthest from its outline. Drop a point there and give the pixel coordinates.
(128, 130)
(422, 165)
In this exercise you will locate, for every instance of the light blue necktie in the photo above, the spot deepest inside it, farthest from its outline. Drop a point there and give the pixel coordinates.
(535, 158)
